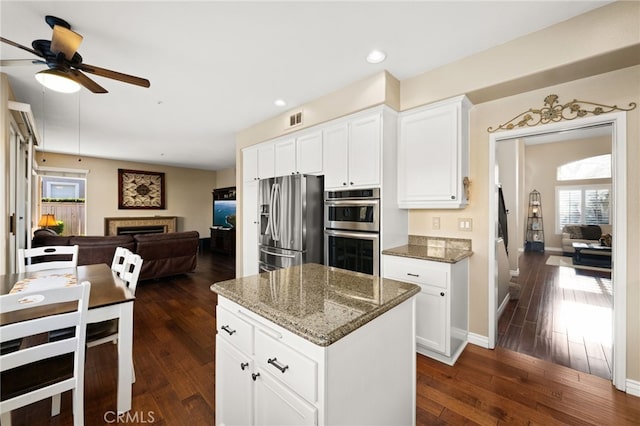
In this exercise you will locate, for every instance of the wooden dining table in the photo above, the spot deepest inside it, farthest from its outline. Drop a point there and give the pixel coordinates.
(109, 299)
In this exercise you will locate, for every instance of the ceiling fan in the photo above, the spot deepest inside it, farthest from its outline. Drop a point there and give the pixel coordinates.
(65, 63)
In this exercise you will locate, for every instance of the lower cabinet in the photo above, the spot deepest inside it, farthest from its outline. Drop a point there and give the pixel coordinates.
(442, 305)
(266, 375)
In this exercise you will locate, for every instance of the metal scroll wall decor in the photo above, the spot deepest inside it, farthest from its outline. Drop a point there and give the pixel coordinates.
(553, 111)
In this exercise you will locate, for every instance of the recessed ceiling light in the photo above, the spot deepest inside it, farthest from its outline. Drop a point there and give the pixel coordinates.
(279, 102)
(376, 56)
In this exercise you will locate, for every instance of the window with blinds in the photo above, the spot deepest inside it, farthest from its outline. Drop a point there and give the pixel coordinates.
(585, 205)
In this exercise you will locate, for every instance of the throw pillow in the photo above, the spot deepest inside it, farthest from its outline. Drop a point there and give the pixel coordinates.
(574, 231)
(591, 232)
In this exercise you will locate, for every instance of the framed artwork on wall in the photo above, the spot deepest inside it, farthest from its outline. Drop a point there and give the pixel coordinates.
(140, 190)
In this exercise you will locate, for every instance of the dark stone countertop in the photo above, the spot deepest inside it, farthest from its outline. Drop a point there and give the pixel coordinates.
(319, 303)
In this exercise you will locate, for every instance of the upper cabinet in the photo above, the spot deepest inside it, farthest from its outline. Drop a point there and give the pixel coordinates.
(299, 155)
(352, 153)
(433, 155)
(258, 162)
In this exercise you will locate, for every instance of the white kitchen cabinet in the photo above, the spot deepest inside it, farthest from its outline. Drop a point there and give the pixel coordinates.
(292, 381)
(353, 152)
(433, 155)
(258, 162)
(250, 228)
(299, 155)
(441, 306)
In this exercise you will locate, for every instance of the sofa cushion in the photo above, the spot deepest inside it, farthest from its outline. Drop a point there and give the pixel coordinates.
(591, 232)
(574, 231)
(93, 249)
(167, 254)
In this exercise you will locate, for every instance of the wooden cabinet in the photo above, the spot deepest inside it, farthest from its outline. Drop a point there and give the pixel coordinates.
(266, 375)
(433, 155)
(250, 228)
(223, 240)
(258, 162)
(299, 155)
(353, 152)
(442, 304)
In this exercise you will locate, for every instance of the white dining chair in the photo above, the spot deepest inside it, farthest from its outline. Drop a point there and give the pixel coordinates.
(107, 331)
(32, 373)
(48, 257)
(119, 257)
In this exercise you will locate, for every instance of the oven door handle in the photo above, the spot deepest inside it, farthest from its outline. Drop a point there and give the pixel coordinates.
(290, 256)
(335, 203)
(359, 235)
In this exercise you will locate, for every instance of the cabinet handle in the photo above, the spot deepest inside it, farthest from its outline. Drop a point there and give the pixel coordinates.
(453, 197)
(243, 365)
(254, 376)
(344, 183)
(227, 329)
(442, 293)
(413, 275)
(350, 183)
(276, 364)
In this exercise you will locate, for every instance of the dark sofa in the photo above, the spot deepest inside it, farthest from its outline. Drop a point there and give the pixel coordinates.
(163, 255)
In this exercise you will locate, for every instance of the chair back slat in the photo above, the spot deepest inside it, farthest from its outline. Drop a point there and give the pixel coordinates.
(131, 271)
(119, 257)
(47, 257)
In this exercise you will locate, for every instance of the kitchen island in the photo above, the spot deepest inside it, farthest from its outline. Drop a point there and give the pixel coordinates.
(313, 345)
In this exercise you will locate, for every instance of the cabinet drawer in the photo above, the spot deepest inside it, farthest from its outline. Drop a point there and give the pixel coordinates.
(235, 330)
(288, 365)
(416, 271)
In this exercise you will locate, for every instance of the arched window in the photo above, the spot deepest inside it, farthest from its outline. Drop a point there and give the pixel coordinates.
(598, 167)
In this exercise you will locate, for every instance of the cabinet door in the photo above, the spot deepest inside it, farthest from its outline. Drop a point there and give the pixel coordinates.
(336, 156)
(250, 228)
(428, 152)
(309, 154)
(285, 157)
(277, 405)
(249, 164)
(364, 151)
(234, 386)
(266, 161)
(431, 318)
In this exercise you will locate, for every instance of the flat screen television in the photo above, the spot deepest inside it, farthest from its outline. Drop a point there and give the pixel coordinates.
(224, 213)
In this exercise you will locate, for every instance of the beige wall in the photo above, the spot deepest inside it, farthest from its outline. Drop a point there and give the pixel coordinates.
(187, 192)
(541, 163)
(226, 178)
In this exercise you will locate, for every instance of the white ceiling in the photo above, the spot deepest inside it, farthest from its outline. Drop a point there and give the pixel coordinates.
(216, 67)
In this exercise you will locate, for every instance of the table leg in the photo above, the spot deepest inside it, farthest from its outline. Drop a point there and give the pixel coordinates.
(125, 356)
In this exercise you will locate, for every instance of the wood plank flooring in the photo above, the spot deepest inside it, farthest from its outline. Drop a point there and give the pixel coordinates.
(174, 344)
(563, 315)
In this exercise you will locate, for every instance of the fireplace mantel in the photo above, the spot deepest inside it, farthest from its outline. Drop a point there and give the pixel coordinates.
(111, 224)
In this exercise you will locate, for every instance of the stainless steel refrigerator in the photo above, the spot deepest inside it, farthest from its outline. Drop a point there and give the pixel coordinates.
(291, 221)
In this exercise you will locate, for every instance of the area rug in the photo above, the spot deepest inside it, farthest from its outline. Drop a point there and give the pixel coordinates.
(568, 262)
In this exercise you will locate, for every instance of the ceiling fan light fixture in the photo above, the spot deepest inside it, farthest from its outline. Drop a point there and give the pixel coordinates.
(57, 80)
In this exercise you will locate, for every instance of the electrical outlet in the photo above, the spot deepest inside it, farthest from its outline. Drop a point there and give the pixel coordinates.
(435, 223)
(465, 224)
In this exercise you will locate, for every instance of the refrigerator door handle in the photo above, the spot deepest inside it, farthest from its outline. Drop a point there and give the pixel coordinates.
(275, 227)
(290, 256)
(268, 231)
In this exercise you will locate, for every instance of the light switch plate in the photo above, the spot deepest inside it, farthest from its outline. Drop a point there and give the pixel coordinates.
(465, 224)
(435, 223)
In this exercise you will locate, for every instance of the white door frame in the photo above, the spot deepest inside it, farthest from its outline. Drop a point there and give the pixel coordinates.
(618, 122)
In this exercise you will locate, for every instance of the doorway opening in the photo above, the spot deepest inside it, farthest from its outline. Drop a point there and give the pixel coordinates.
(63, 195)
(540, 278)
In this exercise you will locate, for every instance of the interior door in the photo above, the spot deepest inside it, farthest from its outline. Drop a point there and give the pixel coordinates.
(20, 195)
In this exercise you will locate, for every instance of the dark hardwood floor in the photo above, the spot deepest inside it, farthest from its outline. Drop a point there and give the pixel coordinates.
(563, 315)
(174, 344)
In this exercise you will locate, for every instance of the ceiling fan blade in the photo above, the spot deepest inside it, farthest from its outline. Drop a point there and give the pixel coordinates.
(64, 40)
(84, 80)
(126, 78)
(13, 62)
(19, 46)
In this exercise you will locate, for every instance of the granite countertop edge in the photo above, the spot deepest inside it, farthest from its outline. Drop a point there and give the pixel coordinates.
(280, 319)
(454, 255)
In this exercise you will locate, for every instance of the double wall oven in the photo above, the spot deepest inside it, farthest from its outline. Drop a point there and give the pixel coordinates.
(352, 230)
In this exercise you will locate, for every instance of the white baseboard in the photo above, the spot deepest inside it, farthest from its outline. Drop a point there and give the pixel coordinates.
(554, 249)
(633, 387)
(515, 273)
(503, 305)
(478, 340)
